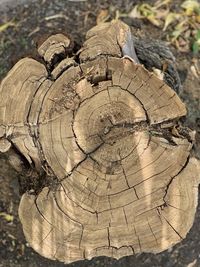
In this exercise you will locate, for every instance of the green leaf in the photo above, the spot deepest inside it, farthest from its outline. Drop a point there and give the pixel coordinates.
(195, 47)
(197, 35)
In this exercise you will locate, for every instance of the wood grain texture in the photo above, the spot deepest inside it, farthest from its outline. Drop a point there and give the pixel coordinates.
(107, 133)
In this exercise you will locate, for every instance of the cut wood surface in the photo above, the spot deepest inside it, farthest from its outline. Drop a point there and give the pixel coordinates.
(102, 136)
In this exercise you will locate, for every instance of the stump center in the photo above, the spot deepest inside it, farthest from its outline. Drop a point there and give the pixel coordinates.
(105, 125)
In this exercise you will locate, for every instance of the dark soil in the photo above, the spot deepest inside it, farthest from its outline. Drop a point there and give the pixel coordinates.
(35, 21)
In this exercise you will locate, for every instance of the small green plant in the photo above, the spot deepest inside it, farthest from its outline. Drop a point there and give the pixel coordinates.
(196, 44)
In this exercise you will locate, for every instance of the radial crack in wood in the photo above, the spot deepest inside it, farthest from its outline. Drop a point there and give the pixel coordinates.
(119, 179)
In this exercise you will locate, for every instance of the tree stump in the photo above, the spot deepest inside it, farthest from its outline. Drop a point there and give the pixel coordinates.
(97, 138)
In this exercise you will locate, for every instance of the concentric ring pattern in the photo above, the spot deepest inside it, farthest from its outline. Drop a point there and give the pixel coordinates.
(104, 131)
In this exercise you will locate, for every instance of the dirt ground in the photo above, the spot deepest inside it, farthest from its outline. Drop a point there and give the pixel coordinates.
(34, 21)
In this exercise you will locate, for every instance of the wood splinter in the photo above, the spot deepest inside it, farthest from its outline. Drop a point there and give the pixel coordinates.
(111, 175)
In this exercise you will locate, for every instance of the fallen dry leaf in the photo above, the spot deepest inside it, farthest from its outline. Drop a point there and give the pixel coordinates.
(170, 18)
(185, 21)
(194, 71)
(190, 7)
(103, 16)
(161, 3)
(192, 264)
(135, 13)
